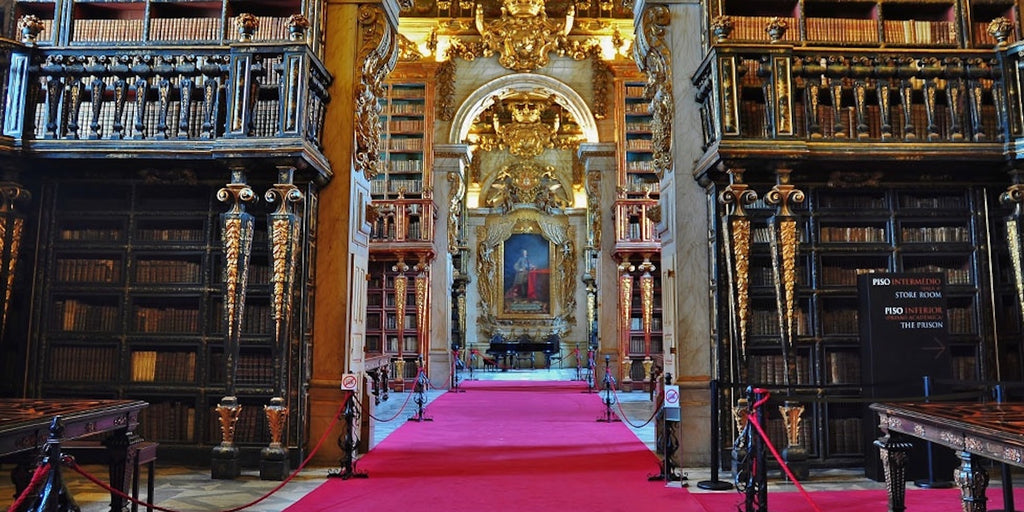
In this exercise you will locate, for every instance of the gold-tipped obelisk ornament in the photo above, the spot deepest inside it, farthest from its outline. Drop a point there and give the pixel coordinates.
(785, 240)
(285, 228)
(237, 228)
(12, 228)
(401, 287)
(1014, 198)
(647, 311)
(736, 248)
(625, 309)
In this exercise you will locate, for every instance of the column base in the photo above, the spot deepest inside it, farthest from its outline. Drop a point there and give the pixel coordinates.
(274, 464)
(225, 463)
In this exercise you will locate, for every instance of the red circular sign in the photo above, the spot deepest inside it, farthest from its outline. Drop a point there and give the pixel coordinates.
(348, 382)
(672, 396)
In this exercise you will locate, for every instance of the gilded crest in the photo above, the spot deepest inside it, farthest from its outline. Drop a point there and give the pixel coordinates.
(523, 36)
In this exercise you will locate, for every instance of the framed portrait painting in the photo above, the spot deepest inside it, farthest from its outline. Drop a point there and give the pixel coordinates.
(526, 275)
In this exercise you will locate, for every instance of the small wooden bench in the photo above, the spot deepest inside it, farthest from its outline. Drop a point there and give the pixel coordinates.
(93, 452)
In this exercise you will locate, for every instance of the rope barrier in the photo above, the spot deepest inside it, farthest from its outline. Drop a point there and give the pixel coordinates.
(70, 462)
(752, 419)
(618, 405)
(397, 414)
(37, 479)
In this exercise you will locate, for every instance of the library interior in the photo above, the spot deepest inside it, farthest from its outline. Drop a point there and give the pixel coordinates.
(802, 214)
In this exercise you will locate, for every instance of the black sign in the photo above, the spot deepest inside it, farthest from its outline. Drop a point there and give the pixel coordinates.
(904, 337)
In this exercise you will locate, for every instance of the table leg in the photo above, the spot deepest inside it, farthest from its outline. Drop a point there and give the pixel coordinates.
(894, 453)
(973, 480)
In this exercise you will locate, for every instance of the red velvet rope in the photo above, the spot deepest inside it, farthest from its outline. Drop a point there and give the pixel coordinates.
(70, 461)
(405, 403)
(33, 484)
(622, 413)
(752, 418)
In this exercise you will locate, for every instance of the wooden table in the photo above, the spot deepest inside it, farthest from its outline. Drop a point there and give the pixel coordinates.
(994, 431)
(27, 424)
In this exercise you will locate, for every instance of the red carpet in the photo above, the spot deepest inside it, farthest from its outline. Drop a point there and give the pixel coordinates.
(918, 500)
(505, 446)
(537, 447)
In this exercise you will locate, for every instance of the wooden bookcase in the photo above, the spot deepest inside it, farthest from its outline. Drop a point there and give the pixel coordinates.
(131, 306)
(847, 232)
(407, 119)
(164, 22)
(636, 177)
(383, 339)
(894, 23)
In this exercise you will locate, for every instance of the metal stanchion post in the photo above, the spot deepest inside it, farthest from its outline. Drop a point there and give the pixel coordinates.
(756, 495)
(931, 482)
(609, 382)
(714, 484)
(669, 443)
(348, 442)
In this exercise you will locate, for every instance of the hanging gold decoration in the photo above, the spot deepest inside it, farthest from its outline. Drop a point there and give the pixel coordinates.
(523, 36)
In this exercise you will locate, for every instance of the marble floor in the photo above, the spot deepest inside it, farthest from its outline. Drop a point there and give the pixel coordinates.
(183, 488)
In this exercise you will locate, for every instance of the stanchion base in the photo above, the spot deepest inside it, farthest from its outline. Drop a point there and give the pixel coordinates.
(714, 485)
(661, 477)
(933, 484)
(418, 420)
(345, 475)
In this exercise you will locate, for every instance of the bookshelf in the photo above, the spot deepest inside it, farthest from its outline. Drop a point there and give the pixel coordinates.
(407, 120)
(164, 22)
(637, 350)
(132, 307)
(637, 177)
(896, 23)
(383, 338)
(848, 232)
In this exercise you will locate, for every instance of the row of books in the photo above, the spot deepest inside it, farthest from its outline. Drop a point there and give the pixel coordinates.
(957, 272)
(405, 108)
(171, 235)
(88, 270)
(770, 370)
(842, 367)
(185, 30)
(638, 345)
(166, 319)
(76, 315)
(766, 323)
(845, 436)
(981, 37)
(91, 234)
(83, 364)
(638, 144)
(638, 107)
(965, 368)
(390, 186)
(763, 234)
(835, 321)
(637, 324)
(405, 144)
(405, 166)
(642, 165)
(836, 275)
(961, 320)
(251, 368)
(256, 319)
(163, 366)
(633, 231)
(636, 91)
(407, 91)
(852, 234)
(935, 234)
(405, 126)
(167, 271)
(168, 421)
(752, 28)
(915, 32)
(776, 430)
(643, 188)
(879, 202)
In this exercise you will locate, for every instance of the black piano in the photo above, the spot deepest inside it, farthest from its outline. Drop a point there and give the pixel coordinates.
(515, 353)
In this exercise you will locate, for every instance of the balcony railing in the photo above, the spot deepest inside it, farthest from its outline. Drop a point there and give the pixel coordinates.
(756, 101)
(246, 99)
(403, 221)
(636, 225)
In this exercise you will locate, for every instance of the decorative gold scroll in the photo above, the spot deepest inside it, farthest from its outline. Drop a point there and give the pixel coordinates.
(422, 284)
(277, 417)
(228, 411)
(401, 285)
(784, 240)
(237, 231)
(653, 56)
(523, 36)
(377, 57)
(1014, 197)
(736, 245)
(791, 412)
(626, 270)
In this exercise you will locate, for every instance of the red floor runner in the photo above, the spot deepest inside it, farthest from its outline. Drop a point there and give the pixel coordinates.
(506, 446)
(918, 500)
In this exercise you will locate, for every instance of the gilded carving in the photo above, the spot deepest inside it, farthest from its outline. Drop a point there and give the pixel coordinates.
(601, 82)
(625, 295)
(784, 241)
(237, 230)
(526, 123)
(783, 97)
(1014, 196)
(277, 415)
(377, 57)
(647, 302)
(456, 194)
(593, 187)
(12, 227)
(653, 57)
(401, 286)
(791, 412)
(228, 411)
(422, 283)
(526, 183)
(523, 36)
(407, 50)
(446, 90)
(737, 196)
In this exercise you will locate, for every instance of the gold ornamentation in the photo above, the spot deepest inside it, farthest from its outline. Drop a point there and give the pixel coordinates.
(721, 27)
(228, 411)
(236, 236)
(297, 26)
(377, 57)
(445, 93)
(1014, 197)
(277, 416)
(741, 414)
(285, 228)
(776, 29)
(12, 227)
(456, 195)
(526, 183)
(784, 241)
(647, 304)
(401, 285)
(791, 412)
(783, 98)
(29, 26)
(247, 24)
(736, 243)
(652, 55)
(1000, 30)
(527, 123)
(523, 36)
(593, 186)
(407, 50)
(601, 80)
(625, 299)
(422, 284)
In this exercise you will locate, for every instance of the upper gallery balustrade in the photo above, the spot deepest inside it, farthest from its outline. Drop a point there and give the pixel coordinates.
(771, 101)
(260, 100)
